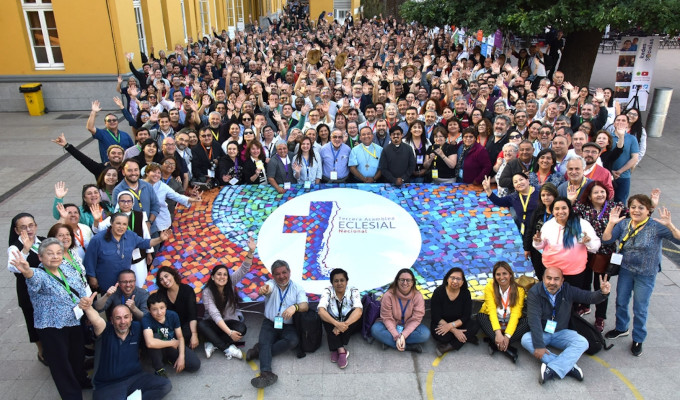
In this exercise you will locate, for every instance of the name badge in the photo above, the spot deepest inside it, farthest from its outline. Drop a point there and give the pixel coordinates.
(419, 159)
(211, 173)
(308, 184)
(259, 164)
(334, 175)
(78, 312)
(400, 328)
(286, 185)
(616, 258)
(233, 181)
(278, 322)
(88, 291)
(435, 174)
(550, 326)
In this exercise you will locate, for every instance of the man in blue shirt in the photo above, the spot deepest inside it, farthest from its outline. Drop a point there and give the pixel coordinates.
(335, 159)
(119, 372)
(108, 136)
(364, 158)
(283, 298)
(628, 159)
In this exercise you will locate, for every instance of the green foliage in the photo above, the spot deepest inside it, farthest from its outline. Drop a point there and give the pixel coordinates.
(373, 8)
(531, 16)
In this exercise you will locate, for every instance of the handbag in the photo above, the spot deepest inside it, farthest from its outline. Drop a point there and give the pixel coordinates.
(599, 263)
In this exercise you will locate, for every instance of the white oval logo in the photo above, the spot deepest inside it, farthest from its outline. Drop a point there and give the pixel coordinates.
(363, 233)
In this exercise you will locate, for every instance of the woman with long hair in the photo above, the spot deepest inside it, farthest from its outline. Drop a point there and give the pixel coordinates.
(180, 299)
(565, 240)
(452, 324)
(543, 213)
(636, 129)
(500, 317)
(306, 164)
(230, 166)
(402, 309)
(544, 169)
(222, 325)
(523, 200)
(253, 167)
(484, 131)
(419, 145)
(106, 182)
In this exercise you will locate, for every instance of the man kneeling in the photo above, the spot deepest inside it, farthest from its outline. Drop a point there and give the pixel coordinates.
(549, 306)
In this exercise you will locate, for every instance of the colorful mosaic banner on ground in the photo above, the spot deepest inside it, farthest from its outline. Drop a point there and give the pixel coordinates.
(370, 230)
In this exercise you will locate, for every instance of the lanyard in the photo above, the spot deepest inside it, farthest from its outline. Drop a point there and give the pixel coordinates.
(505, 299)
(75, 266)
(339, 304)
(285, 165)
(590, 175)
(381, 142)
(138, 197)
(427, 131)
(304, 160)
(632, 232)
(374, 154)
(335, 156)
(80, 237)
(116, 138)
(64, 283)
(351, 141)
(604, 207)
(282, 297)
(403, 310)
(132, 221)
(167, 181)
(208, 153)
(525, 205)
(215, 136)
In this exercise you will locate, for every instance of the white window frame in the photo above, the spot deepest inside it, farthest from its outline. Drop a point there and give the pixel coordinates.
(204, 11)
(41, 8)
(240, 18)
(184, 20)
(139, 25)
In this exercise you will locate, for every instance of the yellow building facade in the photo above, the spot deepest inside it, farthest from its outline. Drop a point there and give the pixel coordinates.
(334, 9)
(80, 46)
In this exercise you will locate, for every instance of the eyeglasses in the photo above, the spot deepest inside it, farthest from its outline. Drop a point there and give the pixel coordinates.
(456, 278)
(515, 136)
(124, 201)
(336, 137)
(169, 163)
(632, 113)
(27, 227)
(111, 120)
(247, 119)
(405, 280)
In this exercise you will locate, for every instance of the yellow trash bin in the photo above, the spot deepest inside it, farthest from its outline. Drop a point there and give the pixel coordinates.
(34, 98)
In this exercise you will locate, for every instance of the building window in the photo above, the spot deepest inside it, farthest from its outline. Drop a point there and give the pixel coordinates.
(139, 23)
(204, 10)
(42, 31)
(239, 15)
(184, 20)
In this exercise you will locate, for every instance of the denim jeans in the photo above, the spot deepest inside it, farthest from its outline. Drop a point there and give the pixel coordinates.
(573, 345)
(621, 189)
(152, 386)
(380, 332)
(641, 287)
(275, 341)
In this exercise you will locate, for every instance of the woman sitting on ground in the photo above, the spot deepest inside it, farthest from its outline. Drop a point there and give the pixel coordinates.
(451, 323)
(401, 315)
(501, 317)
(340, 310)
(222, 325)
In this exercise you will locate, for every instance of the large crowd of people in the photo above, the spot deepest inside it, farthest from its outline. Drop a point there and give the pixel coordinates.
(303, 102)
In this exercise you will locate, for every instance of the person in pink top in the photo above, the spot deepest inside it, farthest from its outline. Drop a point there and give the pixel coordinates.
(401, 314)
(565, 241)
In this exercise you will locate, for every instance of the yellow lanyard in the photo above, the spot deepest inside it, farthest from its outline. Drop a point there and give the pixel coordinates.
(137, 196)
(374, 154)
(525, 204)
(632, 232)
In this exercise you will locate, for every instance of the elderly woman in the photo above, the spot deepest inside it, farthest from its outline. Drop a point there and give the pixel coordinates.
(401, 315)
(23, 238)
(501, 317)
(451, 323)
(640, 239)
(341, 317)
(70, 215)
(55, 292)
(508, 154)
(472, 162)
(222, 325)
(72, 259)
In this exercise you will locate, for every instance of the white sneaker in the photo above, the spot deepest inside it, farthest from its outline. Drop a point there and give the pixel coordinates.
(233, 351)
(209, 349)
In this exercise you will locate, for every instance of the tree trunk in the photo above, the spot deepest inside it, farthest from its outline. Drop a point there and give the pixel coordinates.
(579, 54)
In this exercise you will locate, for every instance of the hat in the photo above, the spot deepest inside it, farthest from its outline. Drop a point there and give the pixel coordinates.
(313, 56)
(340, 60)
(404, 68)
(592, 144)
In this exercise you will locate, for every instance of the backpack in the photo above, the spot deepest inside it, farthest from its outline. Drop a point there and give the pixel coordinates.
(309, 329)
(596, 341)
(370, 315)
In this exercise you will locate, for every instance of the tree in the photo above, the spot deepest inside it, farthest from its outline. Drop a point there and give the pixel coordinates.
(582, 21)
